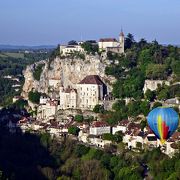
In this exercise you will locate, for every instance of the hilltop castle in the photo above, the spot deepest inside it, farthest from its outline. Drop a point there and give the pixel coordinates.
(105, 44)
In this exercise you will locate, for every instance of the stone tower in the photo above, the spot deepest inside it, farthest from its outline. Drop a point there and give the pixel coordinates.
(121, 40)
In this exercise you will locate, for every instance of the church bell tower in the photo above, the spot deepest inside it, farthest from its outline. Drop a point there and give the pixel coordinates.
(121, 40)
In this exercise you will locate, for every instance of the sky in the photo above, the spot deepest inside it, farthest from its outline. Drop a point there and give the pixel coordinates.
(51, 22)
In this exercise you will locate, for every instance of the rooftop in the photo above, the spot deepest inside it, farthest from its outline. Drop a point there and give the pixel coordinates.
(99, 124)
(108, 40)
(91, 79)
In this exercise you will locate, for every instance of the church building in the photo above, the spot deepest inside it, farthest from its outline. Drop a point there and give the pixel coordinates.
(112, 44)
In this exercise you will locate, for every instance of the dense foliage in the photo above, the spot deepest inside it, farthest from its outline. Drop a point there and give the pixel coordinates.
(30, 156)
(34, 96)
(37, 71)
(13, 64)
(142, 61)
(90, 48)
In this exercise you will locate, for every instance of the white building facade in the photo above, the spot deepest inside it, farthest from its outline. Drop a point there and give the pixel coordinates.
(68, 49)
(90, 92)
(112, 45)
(68, 98)
(99, 128)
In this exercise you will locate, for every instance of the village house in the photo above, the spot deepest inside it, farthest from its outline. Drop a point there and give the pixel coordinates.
(122, 126)
(68, 98)
(44, 100)
(99, 128)
(134, 136)
(83, 136)
(97, 141)
(48, 109)
(151, 141)
(112, 45)
(69, 49)
(153, 84)
(173, 102)
(172, 145)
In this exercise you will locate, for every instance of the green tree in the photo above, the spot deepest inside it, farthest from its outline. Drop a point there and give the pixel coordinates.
(156, 71)
(129, 41)
(120, 104)
(108, 136)
(81, 150)
(90, 48)
(98, 108)
(163, 94)
(73, 130)
(145, 106)
(34, 96)
(134, 108)
(20, 104)
(79, 118)
(150, 95)
(37, 71)
(156, 104)
(143, 124)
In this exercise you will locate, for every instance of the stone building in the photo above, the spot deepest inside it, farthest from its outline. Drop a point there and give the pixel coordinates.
(68, 98)
(99, 128)
(112, 44)
(68, 49)
(90, 92)
(48, 109)
(153, 84)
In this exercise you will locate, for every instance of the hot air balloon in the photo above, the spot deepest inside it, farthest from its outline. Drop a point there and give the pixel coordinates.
(163, 121)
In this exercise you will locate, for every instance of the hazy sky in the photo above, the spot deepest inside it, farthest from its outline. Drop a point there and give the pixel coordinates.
(35, 22)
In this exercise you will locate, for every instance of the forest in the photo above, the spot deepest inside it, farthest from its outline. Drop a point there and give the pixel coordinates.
(38, 156)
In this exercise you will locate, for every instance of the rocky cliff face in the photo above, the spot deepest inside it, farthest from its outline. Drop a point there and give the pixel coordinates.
(67, 72)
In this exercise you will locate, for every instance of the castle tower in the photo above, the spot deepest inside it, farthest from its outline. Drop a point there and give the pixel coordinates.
(121, 40)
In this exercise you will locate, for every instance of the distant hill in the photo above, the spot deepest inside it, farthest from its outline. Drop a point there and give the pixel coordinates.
(14, 47)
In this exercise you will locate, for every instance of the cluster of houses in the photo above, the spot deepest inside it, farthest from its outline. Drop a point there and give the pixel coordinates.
(104, 44)
(134, 137)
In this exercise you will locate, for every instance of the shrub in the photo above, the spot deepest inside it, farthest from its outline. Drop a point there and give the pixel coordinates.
(34, 97)
(37, 72)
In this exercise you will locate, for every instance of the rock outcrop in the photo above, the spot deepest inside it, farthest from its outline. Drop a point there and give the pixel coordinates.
(68, 72)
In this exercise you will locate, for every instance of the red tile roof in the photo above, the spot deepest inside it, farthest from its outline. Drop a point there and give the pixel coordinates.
(175, 137)
(108, 40)
(92, 79)
(99, 124)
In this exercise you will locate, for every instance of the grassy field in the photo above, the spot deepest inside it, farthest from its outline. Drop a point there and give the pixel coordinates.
(13, 55)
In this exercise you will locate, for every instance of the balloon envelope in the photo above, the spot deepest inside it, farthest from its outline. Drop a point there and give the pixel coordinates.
(163, 121)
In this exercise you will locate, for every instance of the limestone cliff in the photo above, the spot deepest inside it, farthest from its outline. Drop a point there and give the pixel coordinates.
(67, 71)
